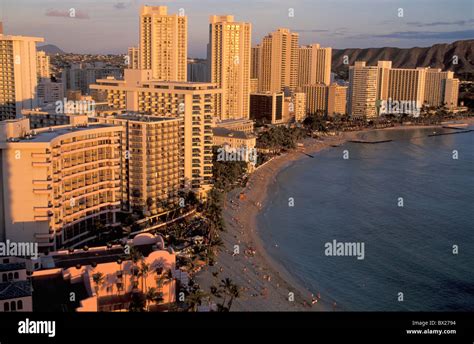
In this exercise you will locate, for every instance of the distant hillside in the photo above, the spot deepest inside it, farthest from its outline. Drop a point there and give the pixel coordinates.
(50, 49)
(437, 56)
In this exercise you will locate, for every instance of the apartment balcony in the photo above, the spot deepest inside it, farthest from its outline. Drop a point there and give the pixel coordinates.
(44, 236)
(42, 182)
(41, 164)
(43, 191)
(42, 218)
(41, 155)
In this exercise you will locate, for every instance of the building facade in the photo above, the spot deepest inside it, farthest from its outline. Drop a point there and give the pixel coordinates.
(337, 100)
(230, 49)
(363, 90)
(18, 75)
(267, 108)
(59, 185)
(373, 87)
(133, 58)
(191, 101)
(43, 65)
(314, 65)
(316, 98)
(278, 67)
(152, 161)
(163, 43)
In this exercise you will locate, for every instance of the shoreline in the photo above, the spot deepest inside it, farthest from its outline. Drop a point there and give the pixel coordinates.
(265, 283)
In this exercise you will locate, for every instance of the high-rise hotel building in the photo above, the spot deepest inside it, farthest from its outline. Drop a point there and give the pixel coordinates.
(255, 61)
(363, 90)
(314, 65)
(191, 101)
(18, 75)
(229, 58)
(163, 43)
(59, 185)
(441, 88)
(278, 70)
(152, 164)
(370, 85)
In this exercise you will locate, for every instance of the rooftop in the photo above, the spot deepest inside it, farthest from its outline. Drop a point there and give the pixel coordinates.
(20, 38)
(48, 134)
(223, 132)
(13, 290)
(144, 118)
(96, 255)
(12, 267)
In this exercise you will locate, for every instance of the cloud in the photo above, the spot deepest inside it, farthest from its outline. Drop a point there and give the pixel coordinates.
(442, 23)
(438, 35)
(122, 5)
(310, 30)
(69, 13)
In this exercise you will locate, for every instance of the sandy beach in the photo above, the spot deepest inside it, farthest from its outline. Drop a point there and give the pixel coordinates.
(265, 284)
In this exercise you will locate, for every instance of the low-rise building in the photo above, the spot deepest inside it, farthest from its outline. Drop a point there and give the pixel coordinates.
(267, 108)
(106, 279)
(240, 124)
(15, 288)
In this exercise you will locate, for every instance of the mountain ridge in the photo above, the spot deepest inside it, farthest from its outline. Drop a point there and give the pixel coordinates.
(440, 55)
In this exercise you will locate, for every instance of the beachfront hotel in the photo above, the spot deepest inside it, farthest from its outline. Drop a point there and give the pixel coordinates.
(369, 85)
(239, 143)
(229, 60)
(58, 183)
(163, 43)
(18, 75)
(245, 125)
(278, 66)
(193, 102)
(152, 161)
(362, 91)
(233, 138)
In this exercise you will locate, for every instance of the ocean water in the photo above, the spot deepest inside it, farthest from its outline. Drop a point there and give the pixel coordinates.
(408, 249)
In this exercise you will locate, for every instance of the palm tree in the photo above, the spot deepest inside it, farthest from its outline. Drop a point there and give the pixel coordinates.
(152, 295)
(160, 281)
(194, 299)
(228, 288)
(234, 294)
(144, 269)
(134, 255)
(98, 279)
(137, 302)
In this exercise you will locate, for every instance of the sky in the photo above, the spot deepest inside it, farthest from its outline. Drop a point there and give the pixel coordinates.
(111, 26)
